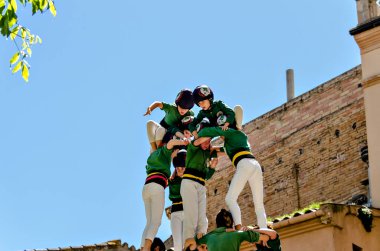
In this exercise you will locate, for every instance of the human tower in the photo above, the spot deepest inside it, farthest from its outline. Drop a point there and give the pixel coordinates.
(184, 140)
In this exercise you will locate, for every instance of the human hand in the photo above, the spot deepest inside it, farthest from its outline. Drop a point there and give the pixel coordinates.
(199, 235)
(264, 240)
(247, 228)
(213, 163)
(185, 141)
(148, 111)
(225, 126)
(187, 134)
(195, 134)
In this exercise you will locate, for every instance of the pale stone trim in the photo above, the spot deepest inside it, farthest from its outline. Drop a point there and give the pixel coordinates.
(368, 40)
(371, 81)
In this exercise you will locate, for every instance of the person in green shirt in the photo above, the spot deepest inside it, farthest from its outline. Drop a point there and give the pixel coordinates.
(217, 112)
(238, 149)
(200, 166)
(176, 216)
(158, 172)
(176, 120)
(224, 237)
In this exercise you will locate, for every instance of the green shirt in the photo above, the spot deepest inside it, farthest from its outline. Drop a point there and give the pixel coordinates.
(197, 160)
(234, 140)
(220, 240)
(159, 161)
(217, 108)
(175, 189)
(172, 117)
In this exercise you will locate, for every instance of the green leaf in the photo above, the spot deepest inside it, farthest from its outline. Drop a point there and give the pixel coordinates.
(14, 32)
(34, 8)
(12, 18)
(43, 4)
(29, 51)
(52, 8)
(2, 6)
(28, 34)
(14, 5)
(23, 33)
(39, 40)
(17, 67)
(14, 58)
(25, 72)
(5, 25)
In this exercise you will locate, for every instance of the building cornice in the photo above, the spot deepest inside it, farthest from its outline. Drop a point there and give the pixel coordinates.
(365, 26)
(369, 40)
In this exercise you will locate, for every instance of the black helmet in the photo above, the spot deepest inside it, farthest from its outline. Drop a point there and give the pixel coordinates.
(180, 159)
(202, 92)
(184, 99)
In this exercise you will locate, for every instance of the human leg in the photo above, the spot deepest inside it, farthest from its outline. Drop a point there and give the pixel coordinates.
(238, 182)
(238, 109)
(202, 207)
(257, 187)
(160, 133)
(151, 128)
(154, 197)
(190, 209)
(176, 224)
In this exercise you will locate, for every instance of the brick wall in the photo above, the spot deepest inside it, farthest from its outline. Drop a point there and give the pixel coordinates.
(309, 148)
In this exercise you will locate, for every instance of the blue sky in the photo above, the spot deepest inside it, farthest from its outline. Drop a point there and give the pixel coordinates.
(73, 142)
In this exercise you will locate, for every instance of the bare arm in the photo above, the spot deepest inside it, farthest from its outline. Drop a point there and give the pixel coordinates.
(201, 140)
(269, 232)
(180, 135)
(176, 142)
(153, 106)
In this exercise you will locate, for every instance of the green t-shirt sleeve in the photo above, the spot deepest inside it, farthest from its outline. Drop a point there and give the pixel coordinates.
(210, 173)
(165, 106)
(249, 236)
(202, 240)
(211, 132)
(166, 151)
(227, 111)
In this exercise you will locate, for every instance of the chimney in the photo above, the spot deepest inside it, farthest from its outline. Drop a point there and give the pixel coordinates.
(290, 84)
(367, 9)
(367, 36)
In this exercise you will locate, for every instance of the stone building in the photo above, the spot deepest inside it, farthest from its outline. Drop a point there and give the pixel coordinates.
(314, 149)
(310, 149)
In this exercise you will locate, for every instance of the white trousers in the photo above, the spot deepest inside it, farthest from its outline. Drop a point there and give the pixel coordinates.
(176, 224)
(238, 109)
(154, 201)
(155, 131)
(194, 208)
(247, 170)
